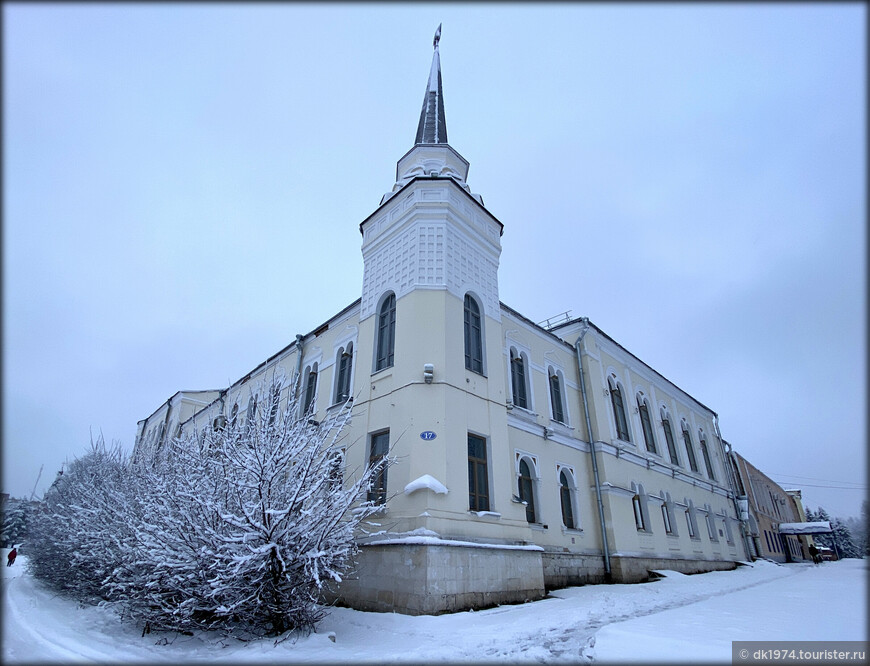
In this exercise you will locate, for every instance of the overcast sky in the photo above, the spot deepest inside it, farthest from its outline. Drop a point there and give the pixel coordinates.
(690, 177)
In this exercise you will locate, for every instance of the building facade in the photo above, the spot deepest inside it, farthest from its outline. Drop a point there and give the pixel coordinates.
(769, 507)
(527, 457)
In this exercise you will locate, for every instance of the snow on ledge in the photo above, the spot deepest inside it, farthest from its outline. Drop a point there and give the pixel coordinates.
(817, 527)
(435, 541)
(426, 481)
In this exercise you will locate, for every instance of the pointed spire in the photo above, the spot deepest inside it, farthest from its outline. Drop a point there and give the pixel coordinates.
(433, 127)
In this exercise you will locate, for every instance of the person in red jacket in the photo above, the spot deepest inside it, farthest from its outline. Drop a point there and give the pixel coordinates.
(11, 557)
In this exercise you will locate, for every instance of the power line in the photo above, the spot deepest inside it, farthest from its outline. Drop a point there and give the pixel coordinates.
(813, 485)
(811, 478)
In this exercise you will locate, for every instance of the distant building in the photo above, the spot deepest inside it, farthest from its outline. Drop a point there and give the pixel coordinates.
(529, 457)
(769, 507)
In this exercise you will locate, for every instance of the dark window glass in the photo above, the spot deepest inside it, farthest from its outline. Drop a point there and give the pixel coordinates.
(518, 380)
(565, 496)
(666, 518)
(345, 361)
(690, 450)
(646, 424)
(619, 413)
(478, 482)
(310, 389)
(556, 398)
(473, 336)
(526, 491)
(669, 438)
(707, 463)
(386, 333)
(380, 445)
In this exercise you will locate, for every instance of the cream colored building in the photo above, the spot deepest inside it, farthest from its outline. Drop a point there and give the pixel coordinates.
(527, 457)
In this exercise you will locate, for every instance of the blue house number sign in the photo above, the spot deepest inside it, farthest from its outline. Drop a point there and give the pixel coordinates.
(427, 434)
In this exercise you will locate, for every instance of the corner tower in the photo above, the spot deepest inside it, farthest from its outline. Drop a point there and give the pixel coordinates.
(430, 230)
(430, 311)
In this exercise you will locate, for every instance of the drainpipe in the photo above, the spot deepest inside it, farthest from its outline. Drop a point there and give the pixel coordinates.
(298, 377)
(607, 573)
(726, 460)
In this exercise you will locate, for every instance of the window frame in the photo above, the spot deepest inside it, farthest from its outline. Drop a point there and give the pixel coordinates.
(568, 497)
(646, 424)
(690, 447)
(527, 487)
(379, 448)
(620, 417)
(519, 375)
(557, 396)
(309, 400)
(473, 335)
(385, 333)
(705, 453)
(478, 500)
(669, 438)
(343, 373)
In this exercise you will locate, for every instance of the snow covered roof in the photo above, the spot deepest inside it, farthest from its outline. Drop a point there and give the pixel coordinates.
(818, 527)
(433, 126)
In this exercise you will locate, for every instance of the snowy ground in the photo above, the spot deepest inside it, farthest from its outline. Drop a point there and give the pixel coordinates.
(677, 618)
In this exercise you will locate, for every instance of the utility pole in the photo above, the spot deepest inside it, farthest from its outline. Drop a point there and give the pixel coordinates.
(37, 481)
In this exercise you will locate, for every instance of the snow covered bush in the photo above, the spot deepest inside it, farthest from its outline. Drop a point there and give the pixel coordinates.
(239, 527)
(75, 533)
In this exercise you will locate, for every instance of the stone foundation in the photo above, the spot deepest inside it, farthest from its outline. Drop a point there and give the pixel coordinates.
(425, 579)
(563, 569)
(636, 569)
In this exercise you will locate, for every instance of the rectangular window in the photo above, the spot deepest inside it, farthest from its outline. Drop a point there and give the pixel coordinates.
(689, 524)
(478, 480)
(380, 445)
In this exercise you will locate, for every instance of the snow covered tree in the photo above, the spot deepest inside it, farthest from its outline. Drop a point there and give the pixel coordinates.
(244, 526)
(74, 532)
(14, 522)
(240, 527)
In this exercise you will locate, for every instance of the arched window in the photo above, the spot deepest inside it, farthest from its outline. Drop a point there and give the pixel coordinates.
(386, 333)
(234, 415)
(518, 379)
(378, 448)
(690, 450)
(704, 452)
(527, 490)
(566, 497)
(251, 412)
(711, 523)
(691, 522)
(473, 336)
(275, 400)
(639, 505)
(310, 388)
(344, 362)
(668, 515)
(646, 424)
(619, 411)
(669, 437)
(556, 398)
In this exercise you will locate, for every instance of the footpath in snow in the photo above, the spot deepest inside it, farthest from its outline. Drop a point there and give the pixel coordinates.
(678, 618)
